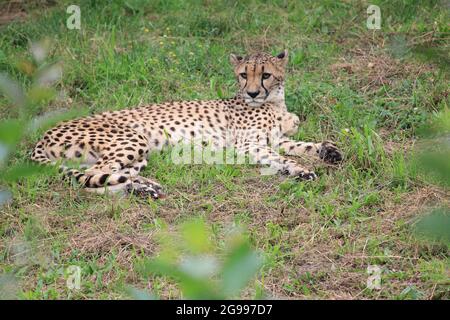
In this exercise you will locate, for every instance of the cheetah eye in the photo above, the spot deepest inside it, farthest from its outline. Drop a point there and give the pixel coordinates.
(266, 75)
(243, 75)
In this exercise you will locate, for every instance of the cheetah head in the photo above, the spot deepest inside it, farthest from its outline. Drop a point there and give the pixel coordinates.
(260, 77)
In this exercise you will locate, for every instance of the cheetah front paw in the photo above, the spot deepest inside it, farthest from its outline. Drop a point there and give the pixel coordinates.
(329, 153)
(145, 188)
(301, 174)
(306, 175)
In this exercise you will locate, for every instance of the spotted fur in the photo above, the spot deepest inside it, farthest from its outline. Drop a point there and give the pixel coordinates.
(114, 145)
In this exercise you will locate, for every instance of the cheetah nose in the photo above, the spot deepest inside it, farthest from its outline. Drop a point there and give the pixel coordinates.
(253, 94)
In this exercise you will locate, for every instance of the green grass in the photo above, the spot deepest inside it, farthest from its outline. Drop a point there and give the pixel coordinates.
(318, 238)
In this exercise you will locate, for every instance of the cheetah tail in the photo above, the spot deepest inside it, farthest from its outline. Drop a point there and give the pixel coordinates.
(88, 181)
(97, 181)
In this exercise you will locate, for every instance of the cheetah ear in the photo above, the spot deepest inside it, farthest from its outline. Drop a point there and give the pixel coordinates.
(282, 58)
(235, 60)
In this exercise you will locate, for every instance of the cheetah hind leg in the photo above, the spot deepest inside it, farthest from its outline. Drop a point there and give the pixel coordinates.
(135, 184)
(144, 187)
(140, 186)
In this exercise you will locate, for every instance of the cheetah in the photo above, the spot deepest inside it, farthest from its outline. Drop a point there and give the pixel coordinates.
(114, 146)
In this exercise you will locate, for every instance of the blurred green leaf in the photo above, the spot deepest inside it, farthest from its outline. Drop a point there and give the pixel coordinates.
(398, 46)
(240, 266)
(411, 292)
(3, 153)
(437, 164)
(200, 275)
(434, 154)
(438, 126)
(50, 119)
(26, 67)
(11, 90)
(49, 75)
(23, 170)
(436, 225)
(199, 266)
(5, 196)
(9, 287)
(38, 95)
(11, 131)
(39, 50)
(437, 55)
(138, 294)
(192, 287)
(196, 236)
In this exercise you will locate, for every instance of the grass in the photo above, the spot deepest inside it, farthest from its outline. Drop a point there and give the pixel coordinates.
(361, 88)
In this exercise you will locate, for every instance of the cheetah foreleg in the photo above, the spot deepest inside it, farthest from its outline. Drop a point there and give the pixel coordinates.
(264, 155)
(327, 151)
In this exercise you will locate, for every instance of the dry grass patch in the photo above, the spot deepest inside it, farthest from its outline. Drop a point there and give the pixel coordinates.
(373, 67)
